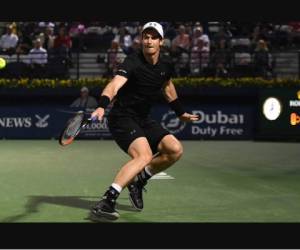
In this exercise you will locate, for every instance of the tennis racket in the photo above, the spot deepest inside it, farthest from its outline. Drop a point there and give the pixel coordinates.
(73, 128)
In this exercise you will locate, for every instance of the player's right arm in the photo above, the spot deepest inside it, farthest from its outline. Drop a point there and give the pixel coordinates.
(113, 86)
(108, 93)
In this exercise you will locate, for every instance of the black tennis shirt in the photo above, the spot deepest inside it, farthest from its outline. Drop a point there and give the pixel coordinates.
(144, 84)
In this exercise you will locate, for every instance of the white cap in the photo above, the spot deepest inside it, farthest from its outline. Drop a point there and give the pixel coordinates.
(84, 89)
(156, 26)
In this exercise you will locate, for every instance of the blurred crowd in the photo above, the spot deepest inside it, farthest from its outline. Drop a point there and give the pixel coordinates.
(197, 48)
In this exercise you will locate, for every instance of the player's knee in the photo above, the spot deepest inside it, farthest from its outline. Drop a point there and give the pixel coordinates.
(177, 150)
(146, 158)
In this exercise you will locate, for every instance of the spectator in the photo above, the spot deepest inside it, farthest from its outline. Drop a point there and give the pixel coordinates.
(170, 31)
(262, 59)
(166, 47)
(198, 33)
(8, 41)
(115, 55)
(38, 57)
(48, 38)
(125, 40)
(221, 58)
(199, 57)
(181, 42)
(295, 33)
(85, 100)
(282, 33)
(62, 45)
(136, 45)
(63, 39)
(76, 32)
(138, 37)
(180, 49)
(263, 31)
(255, 35)
(43, 25)
(223, 33)
(24, 43)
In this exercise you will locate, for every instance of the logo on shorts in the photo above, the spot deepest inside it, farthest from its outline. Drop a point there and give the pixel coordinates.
(171, 123)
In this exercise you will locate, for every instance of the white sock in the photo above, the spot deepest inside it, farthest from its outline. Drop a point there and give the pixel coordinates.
(148, 171)
(117, 187)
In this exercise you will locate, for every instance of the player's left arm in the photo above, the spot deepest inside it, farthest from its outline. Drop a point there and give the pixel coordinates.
(171, 96)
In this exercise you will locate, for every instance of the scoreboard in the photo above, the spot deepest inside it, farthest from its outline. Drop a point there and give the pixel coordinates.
(278, 114)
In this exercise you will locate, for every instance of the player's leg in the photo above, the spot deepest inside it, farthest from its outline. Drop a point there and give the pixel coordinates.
(137, 146)
(141, 155)
(169, 150)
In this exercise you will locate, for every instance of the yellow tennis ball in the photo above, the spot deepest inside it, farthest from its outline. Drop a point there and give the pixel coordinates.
(2, 63)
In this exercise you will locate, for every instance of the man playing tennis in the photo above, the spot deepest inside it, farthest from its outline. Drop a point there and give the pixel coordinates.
(135, 87)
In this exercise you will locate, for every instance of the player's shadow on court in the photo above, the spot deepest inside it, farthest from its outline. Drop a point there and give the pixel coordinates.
(35, 201)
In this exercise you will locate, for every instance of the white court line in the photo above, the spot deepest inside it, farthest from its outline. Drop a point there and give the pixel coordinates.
(162, 176)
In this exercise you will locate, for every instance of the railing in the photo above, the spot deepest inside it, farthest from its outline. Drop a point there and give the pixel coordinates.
(61, 64)
(51, 64)
(201, 64)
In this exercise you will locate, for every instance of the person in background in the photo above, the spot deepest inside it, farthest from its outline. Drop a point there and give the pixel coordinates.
(84, 100)
(114, 57)
(38, 58)
(63, 45)
(8, 41)
(262, 59)
(182, 41)
(48, 38)
(24, 43)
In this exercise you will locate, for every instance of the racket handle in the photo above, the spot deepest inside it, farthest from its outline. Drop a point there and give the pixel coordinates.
(93, 119)
(88, 121)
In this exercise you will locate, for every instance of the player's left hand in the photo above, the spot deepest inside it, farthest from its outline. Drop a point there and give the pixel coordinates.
(186, 117)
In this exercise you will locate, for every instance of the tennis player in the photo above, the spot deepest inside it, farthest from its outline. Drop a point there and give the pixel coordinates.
(135, 87)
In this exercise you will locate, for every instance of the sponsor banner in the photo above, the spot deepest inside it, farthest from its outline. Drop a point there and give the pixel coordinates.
(43, 123)
(20, 122)
(216, 122)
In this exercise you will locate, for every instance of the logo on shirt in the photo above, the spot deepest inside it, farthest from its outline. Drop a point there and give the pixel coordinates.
(133, 132)
(162, 73)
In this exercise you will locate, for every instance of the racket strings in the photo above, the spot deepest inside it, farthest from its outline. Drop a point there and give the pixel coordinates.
(73, 127)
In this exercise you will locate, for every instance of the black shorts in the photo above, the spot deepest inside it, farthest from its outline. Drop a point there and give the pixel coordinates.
(126, 129)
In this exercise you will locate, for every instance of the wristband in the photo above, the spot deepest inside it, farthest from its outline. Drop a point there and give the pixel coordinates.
(104, 101)
(177, 107)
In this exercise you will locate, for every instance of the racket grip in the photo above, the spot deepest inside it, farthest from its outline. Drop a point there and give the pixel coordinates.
(93, 119)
